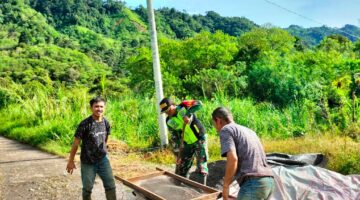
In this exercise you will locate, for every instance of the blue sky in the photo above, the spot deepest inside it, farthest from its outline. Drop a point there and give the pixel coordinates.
(333, 13)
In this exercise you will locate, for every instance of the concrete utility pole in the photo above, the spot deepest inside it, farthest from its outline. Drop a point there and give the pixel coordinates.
(157, 73)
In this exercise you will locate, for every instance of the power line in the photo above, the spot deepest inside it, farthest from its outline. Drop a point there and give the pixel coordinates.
(308, 18)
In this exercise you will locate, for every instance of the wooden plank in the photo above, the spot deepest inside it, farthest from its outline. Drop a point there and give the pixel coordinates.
(213, 196)
(142, 190)
(190, 182)
(146, 176)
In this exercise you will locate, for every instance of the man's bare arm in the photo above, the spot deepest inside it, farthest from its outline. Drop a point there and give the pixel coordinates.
(231, 168)
(71, 164)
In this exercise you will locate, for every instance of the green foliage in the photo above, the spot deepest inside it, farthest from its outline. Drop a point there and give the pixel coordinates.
(64, 13)
(353, 131)
(337, 43)
(141, 71)
(228, 80)
(349, 164)
(95, 28)
(48, 64)
(274, 84)
(100, 48)
(206, 50)
(267, 40)
(181, 60)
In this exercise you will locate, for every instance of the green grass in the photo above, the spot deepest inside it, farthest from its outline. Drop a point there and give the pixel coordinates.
(55, 148)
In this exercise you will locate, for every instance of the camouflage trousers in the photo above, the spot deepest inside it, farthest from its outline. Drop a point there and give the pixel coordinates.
(198, 150)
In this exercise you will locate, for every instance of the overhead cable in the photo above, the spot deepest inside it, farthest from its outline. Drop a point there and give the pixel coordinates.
(308, 18)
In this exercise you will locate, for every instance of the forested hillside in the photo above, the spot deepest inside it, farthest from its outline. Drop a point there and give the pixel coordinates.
(313, 36)
(55, 55)
(182, 25)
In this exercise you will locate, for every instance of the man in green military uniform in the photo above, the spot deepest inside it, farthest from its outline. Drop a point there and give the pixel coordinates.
(181, 117)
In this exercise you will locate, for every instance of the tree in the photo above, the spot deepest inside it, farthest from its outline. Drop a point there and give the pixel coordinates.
(338, 44)
(226, 80)
(262, 42)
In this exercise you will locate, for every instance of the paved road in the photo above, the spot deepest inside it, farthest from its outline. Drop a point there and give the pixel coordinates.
(28, 173)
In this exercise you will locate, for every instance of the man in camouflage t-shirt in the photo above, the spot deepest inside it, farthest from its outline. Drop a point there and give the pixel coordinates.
(245, 158)
(93, 132)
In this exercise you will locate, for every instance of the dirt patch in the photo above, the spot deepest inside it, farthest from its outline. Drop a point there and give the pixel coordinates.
(117, 147)
(127, 163)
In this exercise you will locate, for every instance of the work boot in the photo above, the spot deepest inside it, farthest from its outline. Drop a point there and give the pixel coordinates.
(86, 197)
(111, 194)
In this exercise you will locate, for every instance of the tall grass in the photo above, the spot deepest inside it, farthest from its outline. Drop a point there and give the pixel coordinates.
(49, 119)
(134, 119)
(43, 118)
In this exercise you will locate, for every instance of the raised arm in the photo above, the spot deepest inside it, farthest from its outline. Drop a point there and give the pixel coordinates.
(191, 106)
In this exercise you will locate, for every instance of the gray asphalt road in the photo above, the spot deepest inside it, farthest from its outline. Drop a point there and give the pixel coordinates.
(28, 173)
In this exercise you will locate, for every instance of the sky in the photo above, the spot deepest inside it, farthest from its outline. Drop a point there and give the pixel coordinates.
(305, 13)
